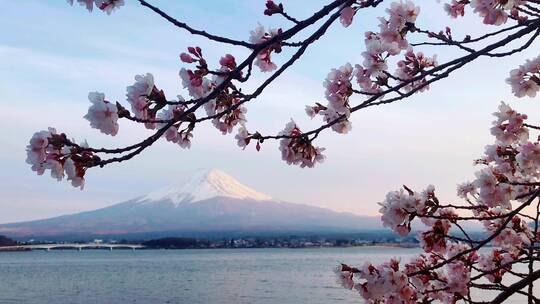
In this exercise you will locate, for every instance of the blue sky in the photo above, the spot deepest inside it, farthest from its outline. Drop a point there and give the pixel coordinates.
(52, 55)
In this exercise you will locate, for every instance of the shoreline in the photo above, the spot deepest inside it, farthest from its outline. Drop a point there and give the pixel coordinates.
(23, 248)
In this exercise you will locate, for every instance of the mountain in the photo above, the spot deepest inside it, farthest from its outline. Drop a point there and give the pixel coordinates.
(208, 201)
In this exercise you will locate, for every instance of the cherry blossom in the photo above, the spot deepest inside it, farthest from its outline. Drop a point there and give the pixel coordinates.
(494, 11)
(343, 126)
(138, 97)
(466, 189)
(496, 263)
(49, 150)
(385, 283)
(36, 151)
(455, 8)
(107, 6)
(297, 149)
(339, 88)
(75, 173)
(264, 58)
(411, 66)
(401, 16)
(243, 137)
(397, 208)
(57, 170)
(228, 120)
(509, 128)
(88, 4)
(528, 158)
(347, 15)
(197, 86)
(227, 62)
(102, 115)
(525, 80)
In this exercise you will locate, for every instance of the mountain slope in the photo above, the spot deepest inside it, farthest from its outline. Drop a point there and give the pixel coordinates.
(207, 201)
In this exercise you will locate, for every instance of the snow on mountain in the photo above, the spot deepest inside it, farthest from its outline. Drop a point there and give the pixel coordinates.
(202, 185)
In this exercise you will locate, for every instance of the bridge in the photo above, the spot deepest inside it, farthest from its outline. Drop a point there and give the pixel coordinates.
(76, 246)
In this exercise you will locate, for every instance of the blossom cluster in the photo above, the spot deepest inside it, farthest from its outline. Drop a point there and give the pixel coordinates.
(494, 12)
(226, 108)
(102, 115)
(399, 207)
(138, 96)
(264, 57)
(373, 74)
(525, 80)
(49, 150)
(392, 282)
(297, 149)
(413, 65)
(107, 6)
(175, 133)
(389, 41)
(511, 172)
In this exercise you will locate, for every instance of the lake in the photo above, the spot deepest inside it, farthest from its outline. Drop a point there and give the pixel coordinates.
(183, 276)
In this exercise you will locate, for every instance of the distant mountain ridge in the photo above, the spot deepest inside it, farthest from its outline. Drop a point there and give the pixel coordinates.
(207, 201)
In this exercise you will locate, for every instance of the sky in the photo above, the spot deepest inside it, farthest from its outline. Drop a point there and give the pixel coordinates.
(52, 55)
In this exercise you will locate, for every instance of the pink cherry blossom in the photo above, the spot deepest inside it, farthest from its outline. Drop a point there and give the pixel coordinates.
(88, 4)
(385, 283)
(36, 150)
(339, 88)
(102, 114)
(528, 158)
(525, 80)
(227, 62)
(491, 193)
(496, 260)
(297, 149)
(243, 137)
(57, 171)
(264, 58)
(397, 208)
(494, 12)
(508, 128)
(455, 8)
(197, 85)
(75, 173)
(185, 57)
(347, 15)
(343, 126)
(109, 6)
(411, 66)
(466, 189)
(177, 133)
(137, 95)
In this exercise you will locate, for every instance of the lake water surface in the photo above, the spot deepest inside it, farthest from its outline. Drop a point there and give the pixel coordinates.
(183, 276)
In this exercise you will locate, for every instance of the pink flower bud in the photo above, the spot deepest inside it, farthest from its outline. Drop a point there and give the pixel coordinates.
(186, 58)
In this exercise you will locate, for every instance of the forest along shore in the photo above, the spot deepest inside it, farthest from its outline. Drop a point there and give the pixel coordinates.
(195, 243)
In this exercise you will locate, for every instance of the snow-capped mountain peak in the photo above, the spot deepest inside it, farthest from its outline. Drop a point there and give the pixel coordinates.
(203, 185)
